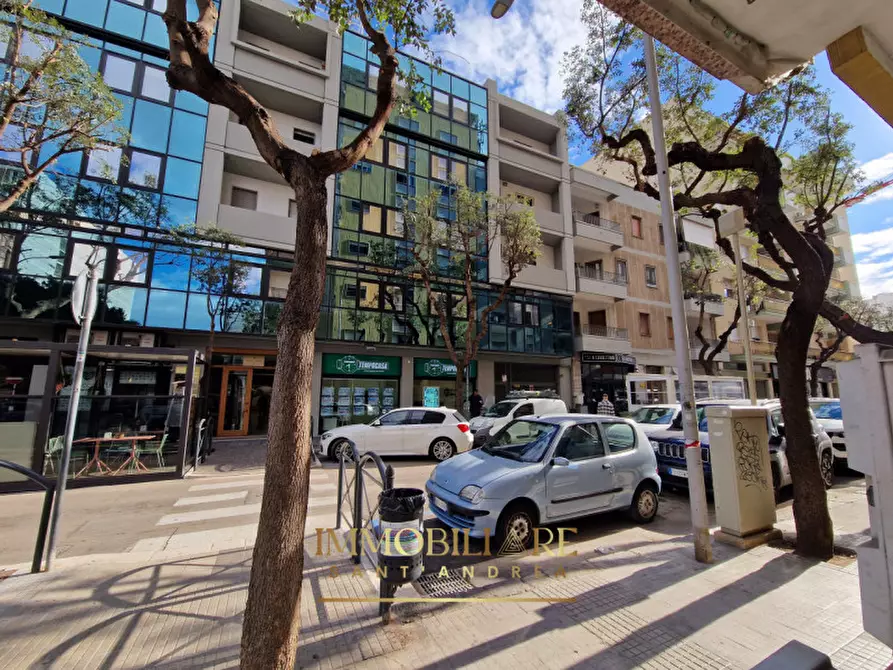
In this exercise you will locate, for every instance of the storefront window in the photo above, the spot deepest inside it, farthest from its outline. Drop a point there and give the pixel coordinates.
(731, 389)
(357, 389)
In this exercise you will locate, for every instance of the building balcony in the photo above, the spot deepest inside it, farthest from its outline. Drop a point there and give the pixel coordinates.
(772, 310)
(723, 356)
(238, 138)
(597, 234)
(549, 279)
(257, 227)
(549, 220)
(601, 284)
(763, 351)
(283, 67)
(603, 338)
(838, 288)
(714, 304)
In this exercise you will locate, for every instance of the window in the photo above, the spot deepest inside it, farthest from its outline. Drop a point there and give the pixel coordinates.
(524, 410)
(371, 219)
(432, 418)
(145, 169)
(303, 136)
(131, 266)
(151, 126)
(581, 443)
(396, 418)
(244, 198)
(637, 226)
(441, 103)
(376, 151)
(620, 436)
(393, 298)
(358, 248)
(460, 172)
(525, 199)
(278, 284)
(460, 110)
(531, 315)
(651, 276)
(104, 163)
(81, 253)
(397, 155)
(644, 324)
(7, 248)
(440, 167)
(155, 85)
(292, 209)
(369, 295)
(670, 328)
(119, 72)
(660, 233)
(373, 76)
(396, 226)
(620, 269)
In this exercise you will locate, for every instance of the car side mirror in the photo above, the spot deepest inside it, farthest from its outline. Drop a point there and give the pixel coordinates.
(780, 429)
(376, 423)
(560, 462)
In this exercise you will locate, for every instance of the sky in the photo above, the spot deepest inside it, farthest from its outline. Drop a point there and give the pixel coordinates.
(523, 51)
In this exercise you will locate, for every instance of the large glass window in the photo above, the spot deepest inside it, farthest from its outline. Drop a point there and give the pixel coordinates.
(155, 85)
(151, 123)
(131, 266)
(145, 169)
(119, 72)
(182, 178)
(104, 163)
(187, 136)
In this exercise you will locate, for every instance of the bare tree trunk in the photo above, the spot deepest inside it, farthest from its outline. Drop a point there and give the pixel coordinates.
(272, 614)
(460, 387)
(814, 378)
(815, 533)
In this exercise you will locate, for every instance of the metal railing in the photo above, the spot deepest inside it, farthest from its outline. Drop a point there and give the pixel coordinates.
(49, 486)
(586, 272)
(353, 490)
(605, 331)
(705, 297)
(594, 220)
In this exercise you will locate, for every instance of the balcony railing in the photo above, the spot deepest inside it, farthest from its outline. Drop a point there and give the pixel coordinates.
(593, 220)
(697, 344)
(606, 331)
(596, 274)
(705, 297)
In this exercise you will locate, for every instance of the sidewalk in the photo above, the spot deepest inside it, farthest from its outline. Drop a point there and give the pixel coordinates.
(640, 601)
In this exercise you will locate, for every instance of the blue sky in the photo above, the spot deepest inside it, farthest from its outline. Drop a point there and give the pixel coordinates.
(522, 52)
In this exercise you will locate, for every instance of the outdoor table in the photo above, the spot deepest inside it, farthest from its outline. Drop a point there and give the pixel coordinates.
(102, 467)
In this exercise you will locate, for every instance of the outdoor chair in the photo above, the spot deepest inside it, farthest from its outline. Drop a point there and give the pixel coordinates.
(52, 452)
(155, 449)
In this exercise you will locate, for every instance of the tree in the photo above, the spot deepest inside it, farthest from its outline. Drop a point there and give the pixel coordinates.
(51, 102)
(272, 619)
(454, 248)
(738, 165)
(829, 337)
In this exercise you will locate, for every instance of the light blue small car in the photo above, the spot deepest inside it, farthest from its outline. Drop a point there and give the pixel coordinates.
(542, 470)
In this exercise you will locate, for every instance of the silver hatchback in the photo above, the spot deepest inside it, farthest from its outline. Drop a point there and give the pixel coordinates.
(542, 470)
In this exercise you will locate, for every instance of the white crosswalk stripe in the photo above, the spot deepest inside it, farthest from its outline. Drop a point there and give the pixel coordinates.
(219, 497)
(205, 515)
(227, 485)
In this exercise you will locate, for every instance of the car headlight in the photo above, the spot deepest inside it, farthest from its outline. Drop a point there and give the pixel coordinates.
(472, 493)
(325, 436)
(655, 445)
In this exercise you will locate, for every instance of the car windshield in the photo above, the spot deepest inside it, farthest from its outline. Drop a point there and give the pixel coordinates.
(658, 415)
(830, 410)
(522, 440)
(501, 409)
(702, 420)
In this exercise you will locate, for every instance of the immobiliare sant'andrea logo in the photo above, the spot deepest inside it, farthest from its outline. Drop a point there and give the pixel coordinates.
(347, 364)
(434, 368)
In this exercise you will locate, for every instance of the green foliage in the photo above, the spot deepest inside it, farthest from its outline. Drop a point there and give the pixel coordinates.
(51, 103)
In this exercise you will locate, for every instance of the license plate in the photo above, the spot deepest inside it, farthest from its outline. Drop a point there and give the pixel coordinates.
(677, 472)
(440, 504)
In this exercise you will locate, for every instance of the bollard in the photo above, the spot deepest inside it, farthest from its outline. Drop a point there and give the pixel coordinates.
(400, 555)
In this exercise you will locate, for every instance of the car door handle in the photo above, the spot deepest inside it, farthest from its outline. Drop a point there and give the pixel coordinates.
(607, 466)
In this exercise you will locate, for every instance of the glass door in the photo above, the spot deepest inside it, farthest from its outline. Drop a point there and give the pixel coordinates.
(235, 402)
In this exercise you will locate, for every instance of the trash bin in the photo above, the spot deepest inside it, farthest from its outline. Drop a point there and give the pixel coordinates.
(400, 556)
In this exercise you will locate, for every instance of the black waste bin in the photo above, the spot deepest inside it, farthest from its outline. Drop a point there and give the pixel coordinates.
(400, 553)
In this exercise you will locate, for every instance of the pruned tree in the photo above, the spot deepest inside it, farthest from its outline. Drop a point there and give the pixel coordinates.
(271, 623)
(829, 337)
(447, 252)
(739, 166)
(51, 102)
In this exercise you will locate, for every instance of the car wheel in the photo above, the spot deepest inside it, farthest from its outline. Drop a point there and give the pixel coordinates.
(442, 449)
(518, 520)
(340, 447)
(643, 508)
(826, 463)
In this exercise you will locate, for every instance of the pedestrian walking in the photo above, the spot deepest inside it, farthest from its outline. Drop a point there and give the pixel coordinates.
(476, 403)
(605, 406)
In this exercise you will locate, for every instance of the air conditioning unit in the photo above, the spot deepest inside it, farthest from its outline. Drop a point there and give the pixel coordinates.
(97, 337)
(137, 340)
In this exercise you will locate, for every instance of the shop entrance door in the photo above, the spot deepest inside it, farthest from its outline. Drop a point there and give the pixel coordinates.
(235, 402)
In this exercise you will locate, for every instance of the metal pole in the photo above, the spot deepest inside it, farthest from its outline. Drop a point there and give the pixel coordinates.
(696, 489)
(745, 335)
(74, 401)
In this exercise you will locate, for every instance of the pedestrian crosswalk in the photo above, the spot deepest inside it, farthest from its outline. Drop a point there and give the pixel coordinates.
(220, 513)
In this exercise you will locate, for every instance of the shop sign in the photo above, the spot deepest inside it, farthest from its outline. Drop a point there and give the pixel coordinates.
(431, 396)
(597, 357)
(440, 368)
(253, 361)
(360, 366)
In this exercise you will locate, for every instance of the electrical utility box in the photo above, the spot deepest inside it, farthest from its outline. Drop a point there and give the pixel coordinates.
(742, 474)
(866, 398)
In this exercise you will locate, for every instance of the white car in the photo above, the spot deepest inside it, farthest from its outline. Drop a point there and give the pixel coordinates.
(828, 414)
(438, 432)
(655, 418)
(513, 407)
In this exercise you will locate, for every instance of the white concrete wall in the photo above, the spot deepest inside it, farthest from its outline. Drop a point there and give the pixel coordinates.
(271, 198)
(279, 50)
(523, 139)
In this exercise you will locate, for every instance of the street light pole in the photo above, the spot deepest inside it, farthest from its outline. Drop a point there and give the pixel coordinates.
(696, 488)
(745, 335)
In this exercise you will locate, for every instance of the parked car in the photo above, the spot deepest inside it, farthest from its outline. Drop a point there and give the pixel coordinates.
(539, 470)
(829, 415)
(655, 418)
(669, 446)
(425, 431)
(514, 407)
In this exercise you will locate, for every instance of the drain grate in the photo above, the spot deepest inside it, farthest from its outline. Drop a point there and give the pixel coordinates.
(436, 586)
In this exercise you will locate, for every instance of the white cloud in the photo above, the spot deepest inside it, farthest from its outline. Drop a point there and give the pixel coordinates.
(876, 277)
(874, 259)
(879, 167)
(875, 244)
(522, 51)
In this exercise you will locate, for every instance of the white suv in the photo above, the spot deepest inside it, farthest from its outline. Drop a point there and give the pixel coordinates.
(438, 432)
